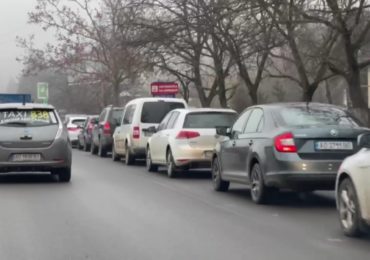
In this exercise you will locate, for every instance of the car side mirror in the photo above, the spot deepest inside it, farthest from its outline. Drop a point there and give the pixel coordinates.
(223, 131)
(363, 141)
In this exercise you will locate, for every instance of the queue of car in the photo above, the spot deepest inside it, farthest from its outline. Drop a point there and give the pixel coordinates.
(300, 147)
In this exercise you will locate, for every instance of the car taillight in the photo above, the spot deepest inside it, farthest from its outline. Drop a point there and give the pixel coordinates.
(136, 132)
(285, 143)
(107, 128)
(187, 135)
(72, 129)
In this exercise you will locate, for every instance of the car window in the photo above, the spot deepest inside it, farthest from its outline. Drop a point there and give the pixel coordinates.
(240, 123)
(209, 119)
(27, 117)
(129, 115)
(254, 121)
(154, 112)
(116, 116)
(172, 120)
(164, 122)
(312, 116)
(102, 116)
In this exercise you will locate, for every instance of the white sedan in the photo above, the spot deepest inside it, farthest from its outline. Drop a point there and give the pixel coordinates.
(186, 139)
(353, 190)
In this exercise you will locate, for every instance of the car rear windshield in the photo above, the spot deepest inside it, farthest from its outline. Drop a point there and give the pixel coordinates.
(27, 117)
(209, 120)
(306, 116)
(79, 122)
(154, 112)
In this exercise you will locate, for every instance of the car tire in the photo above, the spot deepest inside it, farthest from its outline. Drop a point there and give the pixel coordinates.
(79, 146)
(149, 164)
(93, 148)
(129, 157)
(115, 156)
(86, 147)
(260, 194)
(64, 174)
(172, 170)
(349, 209)
(218, 183)
(102, 152)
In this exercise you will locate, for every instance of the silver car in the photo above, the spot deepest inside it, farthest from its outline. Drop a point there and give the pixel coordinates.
(33, 139)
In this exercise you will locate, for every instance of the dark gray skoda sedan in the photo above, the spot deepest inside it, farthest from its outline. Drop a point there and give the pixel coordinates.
(294, 146)
(33, 139)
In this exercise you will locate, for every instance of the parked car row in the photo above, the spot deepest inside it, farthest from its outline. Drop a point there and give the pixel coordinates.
(270, 148)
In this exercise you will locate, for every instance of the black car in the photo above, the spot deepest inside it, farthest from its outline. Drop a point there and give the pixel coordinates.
(102, 134)
(85, 136)
(295, 146)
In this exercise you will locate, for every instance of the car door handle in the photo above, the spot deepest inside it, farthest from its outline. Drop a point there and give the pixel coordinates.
(251, 142)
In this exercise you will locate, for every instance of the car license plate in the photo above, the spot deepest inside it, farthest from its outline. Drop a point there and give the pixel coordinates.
(27, 157)
(334, 146)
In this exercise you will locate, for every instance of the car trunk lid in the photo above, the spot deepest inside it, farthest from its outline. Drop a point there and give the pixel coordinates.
(326, 143)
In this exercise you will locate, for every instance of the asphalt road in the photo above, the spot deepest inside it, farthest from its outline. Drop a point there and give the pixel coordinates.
(111, 211)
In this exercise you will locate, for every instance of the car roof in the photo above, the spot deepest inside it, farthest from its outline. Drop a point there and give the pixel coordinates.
(200, 110)
(26, 106)
(155, 99)
(296, 104)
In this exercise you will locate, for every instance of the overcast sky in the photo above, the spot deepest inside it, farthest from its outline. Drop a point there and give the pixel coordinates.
(13, 22)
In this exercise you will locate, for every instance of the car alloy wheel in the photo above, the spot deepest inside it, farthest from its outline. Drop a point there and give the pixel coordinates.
(129, 158)
(348, 208)
(115, 157)
(149, 164)
(259, 192)
(101, 150)
(171, 167)
(218, 183)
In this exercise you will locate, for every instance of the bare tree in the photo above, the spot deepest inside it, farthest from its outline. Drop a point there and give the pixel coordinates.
(89, 44)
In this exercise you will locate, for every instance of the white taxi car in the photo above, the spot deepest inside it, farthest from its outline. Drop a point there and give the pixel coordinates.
(353, 190)
(186, 138)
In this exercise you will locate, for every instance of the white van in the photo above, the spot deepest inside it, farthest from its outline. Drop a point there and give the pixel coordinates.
(130, 138)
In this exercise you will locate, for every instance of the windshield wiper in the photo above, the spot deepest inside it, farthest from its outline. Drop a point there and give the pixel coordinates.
(16, 123)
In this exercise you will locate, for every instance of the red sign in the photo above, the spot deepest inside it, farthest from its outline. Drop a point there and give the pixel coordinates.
(164, 88)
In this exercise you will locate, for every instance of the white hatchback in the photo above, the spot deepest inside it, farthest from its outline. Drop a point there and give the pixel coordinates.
(353, 190)
(186, 139)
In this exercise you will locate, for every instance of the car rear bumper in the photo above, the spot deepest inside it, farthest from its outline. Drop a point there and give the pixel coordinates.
(301, 181)
(107, 142)
(57, 155)
(44, 166)
(194, 157)
(301, 174)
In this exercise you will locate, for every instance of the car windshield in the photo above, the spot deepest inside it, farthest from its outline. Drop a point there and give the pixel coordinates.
(154, 112)
(307, 116)
(27, 117)
(209, 120)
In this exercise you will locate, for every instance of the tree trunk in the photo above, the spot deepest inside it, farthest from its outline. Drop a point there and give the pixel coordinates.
(116, 94)
(328, 93)
(308, 93)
